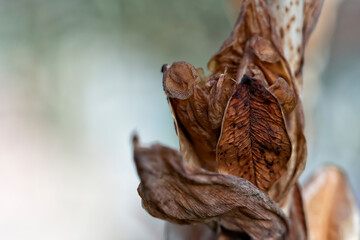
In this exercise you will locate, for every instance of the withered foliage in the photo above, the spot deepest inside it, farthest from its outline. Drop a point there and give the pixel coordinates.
(198, 103)
(254, 144)
(184, 194)
(240, 130)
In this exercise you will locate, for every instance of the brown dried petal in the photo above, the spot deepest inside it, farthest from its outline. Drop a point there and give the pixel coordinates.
(253, 44)
(198, 107)
(253, 19)
(189, 99)
(254, 143)
(331, 207)
(186, 148)
(179, 80)
(220, 94)
(183, 194)
(297, 162)
(269, 59)
(284, 95)
(264, 49)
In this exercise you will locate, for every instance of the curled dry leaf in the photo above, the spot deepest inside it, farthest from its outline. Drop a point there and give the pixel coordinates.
(298, 226)
(184, 194)
(253, 41)
(331, 207)
(254, 143)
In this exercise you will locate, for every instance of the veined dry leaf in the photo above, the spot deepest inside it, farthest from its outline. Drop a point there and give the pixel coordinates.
(331, 207)
(254, 143)
(184, 194)
(293, 36)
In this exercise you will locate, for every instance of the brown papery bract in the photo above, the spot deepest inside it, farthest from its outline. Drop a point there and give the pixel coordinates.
(254, 143)
(296, 164)
(197, 105)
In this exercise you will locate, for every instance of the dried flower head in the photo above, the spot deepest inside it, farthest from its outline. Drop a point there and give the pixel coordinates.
(242, 146)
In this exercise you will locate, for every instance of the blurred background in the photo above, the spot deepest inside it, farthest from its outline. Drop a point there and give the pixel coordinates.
(78, 77)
